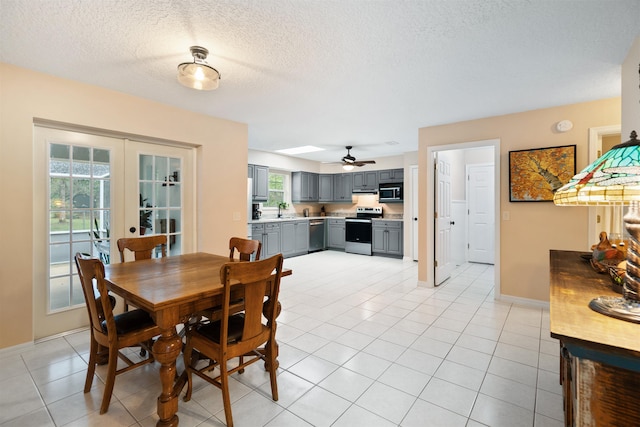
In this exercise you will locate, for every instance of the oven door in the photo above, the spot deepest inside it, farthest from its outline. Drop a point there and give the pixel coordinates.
(358, 230)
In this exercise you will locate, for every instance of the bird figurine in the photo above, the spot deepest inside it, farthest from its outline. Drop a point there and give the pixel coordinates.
(605, 254)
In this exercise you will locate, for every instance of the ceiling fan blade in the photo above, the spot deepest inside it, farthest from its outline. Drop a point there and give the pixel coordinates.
(364, 162)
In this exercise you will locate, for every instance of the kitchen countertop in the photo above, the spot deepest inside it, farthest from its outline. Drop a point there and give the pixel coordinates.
(295, 218)
(298, 218)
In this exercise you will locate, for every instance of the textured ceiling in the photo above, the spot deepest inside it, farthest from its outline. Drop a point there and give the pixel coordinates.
(332, 73)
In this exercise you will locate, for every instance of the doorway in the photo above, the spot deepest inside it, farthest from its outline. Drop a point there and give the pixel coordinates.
(603, 218)
(459, 151)
(89, 191)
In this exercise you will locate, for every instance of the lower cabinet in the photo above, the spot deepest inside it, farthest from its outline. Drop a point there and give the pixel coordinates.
(601, 392)
(269, 236)
(294, 238)
(335, 233)
(387, 238)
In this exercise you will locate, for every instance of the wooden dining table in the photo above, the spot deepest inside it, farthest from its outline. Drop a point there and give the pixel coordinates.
(171, 289)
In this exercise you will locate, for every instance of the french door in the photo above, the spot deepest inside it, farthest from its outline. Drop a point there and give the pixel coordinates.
(91, 190)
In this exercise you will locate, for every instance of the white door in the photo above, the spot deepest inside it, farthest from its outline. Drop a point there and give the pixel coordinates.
(86, 196)
(443, 264)
(481, 213)
(156, 178)
(414, 211)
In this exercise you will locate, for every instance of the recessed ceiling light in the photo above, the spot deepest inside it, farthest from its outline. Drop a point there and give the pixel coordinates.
(300, 150)
(392, 143)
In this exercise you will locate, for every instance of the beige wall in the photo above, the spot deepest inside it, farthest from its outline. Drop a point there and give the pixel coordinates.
(533, 228)
(25, 95)
(631, 91)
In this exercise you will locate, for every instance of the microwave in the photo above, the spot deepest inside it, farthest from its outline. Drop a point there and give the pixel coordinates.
(390, 193)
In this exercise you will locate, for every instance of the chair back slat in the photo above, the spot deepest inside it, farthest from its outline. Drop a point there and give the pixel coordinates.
(253, 278)
(142, 247)
(245, 248)
(90, 270)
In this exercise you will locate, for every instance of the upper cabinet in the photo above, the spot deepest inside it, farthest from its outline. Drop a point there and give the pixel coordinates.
(390, 175)
(338, 187)
(304, 187)
(342, 187)
(260, 175)
(325, 188)
(365, 181)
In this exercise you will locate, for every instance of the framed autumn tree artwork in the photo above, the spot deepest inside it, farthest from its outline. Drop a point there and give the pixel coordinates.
(534, 175)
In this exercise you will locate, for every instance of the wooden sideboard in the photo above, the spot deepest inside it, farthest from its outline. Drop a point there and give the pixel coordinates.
(599, 355)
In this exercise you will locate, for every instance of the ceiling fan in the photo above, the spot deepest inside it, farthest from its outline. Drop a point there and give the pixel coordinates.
(348, 161)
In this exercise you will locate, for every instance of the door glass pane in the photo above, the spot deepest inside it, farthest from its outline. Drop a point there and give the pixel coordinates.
(79, 217)
(146, 167)
(160, 198)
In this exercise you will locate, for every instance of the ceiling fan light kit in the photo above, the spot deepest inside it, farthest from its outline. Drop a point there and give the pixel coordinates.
(349, 162)
(198, 74)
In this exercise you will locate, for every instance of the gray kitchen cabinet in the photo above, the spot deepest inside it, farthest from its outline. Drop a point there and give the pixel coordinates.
(304, 187)
(269, 236)
(260, 175)
(325, 188)
(390, 176)
(271, 243)
(335, 233)
(257, 233)
(365, 181)
(342, 187)
(287, 238)
(387, 238)
(294, 238)
(301, 240)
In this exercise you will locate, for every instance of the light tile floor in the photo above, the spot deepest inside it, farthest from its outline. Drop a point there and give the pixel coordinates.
(360, 345)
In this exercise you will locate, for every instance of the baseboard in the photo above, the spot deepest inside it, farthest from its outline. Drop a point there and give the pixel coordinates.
(424, 284)
(61, 334)
(524, 301)
(16, 349)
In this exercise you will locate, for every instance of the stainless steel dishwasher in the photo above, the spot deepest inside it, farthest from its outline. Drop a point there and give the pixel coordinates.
(316, 235)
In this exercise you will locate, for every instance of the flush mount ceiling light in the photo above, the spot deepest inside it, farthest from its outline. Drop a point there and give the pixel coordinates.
(198, 74)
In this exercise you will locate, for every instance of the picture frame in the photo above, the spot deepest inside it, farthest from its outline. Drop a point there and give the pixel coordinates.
(536, 174)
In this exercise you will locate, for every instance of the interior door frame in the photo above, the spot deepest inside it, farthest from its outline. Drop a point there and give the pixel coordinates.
(430, 195)
(414, 211)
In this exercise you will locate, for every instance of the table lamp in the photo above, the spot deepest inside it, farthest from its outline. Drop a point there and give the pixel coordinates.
(613, 179)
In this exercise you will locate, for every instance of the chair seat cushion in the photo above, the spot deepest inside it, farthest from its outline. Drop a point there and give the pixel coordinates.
(212, 330)
(130, 321)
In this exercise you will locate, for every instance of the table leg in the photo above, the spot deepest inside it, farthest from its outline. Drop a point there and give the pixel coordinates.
(166, 350)
(266, 307)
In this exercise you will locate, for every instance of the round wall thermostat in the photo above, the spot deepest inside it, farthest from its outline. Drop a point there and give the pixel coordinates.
(564, 125)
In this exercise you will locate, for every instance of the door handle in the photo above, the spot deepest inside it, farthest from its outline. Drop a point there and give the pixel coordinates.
(415, 219)
(452, 223)
(132, 230)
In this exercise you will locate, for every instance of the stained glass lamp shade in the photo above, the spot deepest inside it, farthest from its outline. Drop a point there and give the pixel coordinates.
(613, 179)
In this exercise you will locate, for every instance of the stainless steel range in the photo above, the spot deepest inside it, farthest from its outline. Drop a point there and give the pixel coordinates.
(358, 230)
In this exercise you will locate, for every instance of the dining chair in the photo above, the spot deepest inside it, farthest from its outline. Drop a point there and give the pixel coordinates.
(238, 335)
(115, 332)
(245, 248)
(142, 248)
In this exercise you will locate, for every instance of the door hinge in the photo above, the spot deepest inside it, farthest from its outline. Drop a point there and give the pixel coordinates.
(436, 263)
(435, 215)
